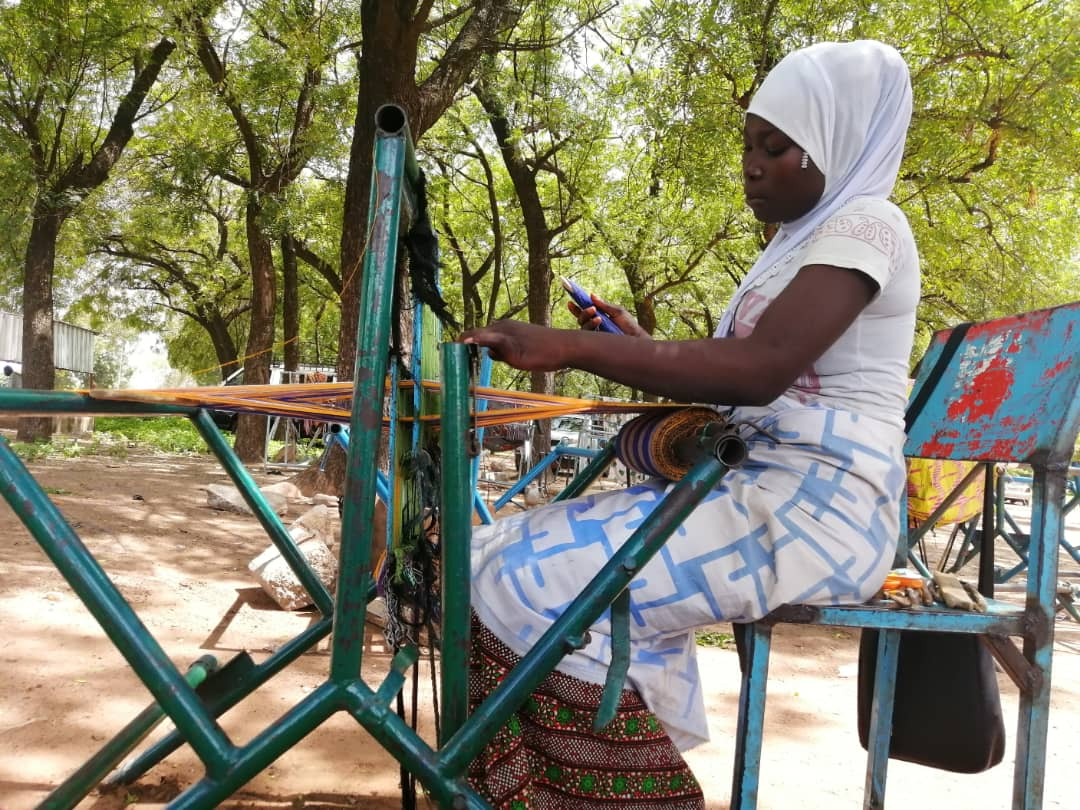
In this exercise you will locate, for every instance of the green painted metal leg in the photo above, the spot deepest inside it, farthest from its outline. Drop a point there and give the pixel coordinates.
(91, 772)
(620, 661)
(456, 536)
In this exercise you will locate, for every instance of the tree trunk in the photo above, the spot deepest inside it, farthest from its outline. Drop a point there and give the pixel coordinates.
(250, 444)
(290, 304)
(38, 370)
(385, 67)
(537, 233)
(224, 345)
(40, 258)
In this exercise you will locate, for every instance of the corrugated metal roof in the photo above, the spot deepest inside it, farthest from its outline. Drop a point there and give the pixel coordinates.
(73, 346)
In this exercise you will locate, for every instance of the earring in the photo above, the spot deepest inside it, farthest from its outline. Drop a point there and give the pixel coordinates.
(805, 161)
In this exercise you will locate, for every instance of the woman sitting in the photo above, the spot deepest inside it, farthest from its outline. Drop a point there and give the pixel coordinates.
(813, 348)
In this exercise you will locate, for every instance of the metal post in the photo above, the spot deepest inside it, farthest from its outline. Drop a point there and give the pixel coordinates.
(456, 534)
(369, 375)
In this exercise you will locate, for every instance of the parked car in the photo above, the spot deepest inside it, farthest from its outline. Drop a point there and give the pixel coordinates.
(1016, 490)
(567, 430)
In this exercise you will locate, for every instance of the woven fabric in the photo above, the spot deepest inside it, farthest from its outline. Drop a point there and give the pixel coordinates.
(547, 757)
(653, 443)
(930, 481)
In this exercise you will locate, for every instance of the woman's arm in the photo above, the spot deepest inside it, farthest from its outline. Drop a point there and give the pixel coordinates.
(798, 326)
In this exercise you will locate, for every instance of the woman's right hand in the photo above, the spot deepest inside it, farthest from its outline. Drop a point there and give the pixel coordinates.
(588, 318)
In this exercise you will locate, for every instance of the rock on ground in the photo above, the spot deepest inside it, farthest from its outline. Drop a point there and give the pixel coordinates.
(228, 499)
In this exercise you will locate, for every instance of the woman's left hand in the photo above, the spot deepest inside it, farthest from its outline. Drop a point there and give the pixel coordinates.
(522, 345)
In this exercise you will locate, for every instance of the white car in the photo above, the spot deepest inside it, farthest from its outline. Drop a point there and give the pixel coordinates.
(567, 430)
(1016, 491)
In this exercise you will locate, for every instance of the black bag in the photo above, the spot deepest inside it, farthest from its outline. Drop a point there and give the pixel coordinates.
(947, 712)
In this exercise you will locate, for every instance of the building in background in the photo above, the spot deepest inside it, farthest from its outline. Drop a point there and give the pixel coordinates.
(73, 349)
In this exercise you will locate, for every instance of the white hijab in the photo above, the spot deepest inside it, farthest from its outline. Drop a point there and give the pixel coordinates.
(848, 105)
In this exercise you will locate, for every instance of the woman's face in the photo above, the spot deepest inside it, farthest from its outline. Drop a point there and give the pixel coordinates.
(777, 188)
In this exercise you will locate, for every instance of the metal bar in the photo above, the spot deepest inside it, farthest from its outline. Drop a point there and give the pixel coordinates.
(266, 516)
(543, 464)
(1012, 660)
(879, 731)
(90, 773)
(1047, 524)
(481, 405)
(365, 427)
(284, 656)
(456, 518)
(601, 461)
(526, 479)
(391, 121)
(750, 730)
(567, 631)
(620, 662)
(1001, 618)
(31, 402)
(90, 582)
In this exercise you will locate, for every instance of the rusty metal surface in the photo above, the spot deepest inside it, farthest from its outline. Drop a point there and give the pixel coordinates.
(1009, 394)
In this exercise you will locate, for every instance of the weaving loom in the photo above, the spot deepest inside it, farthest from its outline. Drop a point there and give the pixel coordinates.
(440, 767)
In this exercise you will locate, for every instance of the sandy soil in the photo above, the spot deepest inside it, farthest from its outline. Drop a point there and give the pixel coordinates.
(183, 567)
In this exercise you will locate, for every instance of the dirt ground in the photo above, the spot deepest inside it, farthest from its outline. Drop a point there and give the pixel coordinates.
(64, 689)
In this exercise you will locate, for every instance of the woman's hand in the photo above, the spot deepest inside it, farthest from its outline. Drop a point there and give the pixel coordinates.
(587, 317)
(522, 345)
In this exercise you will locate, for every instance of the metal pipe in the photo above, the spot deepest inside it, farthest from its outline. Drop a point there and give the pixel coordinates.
(391, 120)
(456, 519)
(369, 388)
(568, 629)
(601, 461)
(34, 403)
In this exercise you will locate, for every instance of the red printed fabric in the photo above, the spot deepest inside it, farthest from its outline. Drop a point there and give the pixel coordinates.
(547, 757)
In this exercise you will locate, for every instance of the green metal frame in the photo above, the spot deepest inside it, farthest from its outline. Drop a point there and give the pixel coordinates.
(441, 769)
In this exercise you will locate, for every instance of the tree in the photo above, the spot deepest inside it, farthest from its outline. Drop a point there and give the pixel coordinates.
(63, 66)
(272, 75)
(388, 64)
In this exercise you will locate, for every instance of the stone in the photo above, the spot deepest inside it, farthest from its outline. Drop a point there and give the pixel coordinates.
(322, 521)
(228, 499)
(288, 490)
(278, 580)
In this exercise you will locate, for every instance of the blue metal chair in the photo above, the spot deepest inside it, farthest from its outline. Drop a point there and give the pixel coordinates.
(1010, 393)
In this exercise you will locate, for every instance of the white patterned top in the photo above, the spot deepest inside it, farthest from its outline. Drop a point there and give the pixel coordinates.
(866, 369)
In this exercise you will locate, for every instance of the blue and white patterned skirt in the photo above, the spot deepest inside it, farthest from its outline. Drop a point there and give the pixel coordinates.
(811, 518)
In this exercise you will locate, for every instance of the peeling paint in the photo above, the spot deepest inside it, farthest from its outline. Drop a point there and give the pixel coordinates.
(986, 392)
